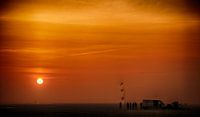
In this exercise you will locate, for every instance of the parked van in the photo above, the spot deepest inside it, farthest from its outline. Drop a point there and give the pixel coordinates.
(152, 104)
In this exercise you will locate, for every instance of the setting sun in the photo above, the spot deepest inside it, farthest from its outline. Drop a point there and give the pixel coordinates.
(40, 81)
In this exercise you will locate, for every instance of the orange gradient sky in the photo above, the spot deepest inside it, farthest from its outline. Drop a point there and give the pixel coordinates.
(84, 48)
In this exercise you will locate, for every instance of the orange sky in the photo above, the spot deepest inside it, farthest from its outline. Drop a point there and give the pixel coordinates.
(83, 49)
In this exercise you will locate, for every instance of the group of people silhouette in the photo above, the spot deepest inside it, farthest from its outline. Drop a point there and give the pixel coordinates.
(129, 106)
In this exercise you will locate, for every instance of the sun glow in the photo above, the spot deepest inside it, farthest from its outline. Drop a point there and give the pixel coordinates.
(40, 81)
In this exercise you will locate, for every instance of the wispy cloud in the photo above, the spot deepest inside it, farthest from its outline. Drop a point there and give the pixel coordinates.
(29, 50)
(93, 52)
(44, 51)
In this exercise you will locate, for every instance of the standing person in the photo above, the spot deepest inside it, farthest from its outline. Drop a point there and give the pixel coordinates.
(120, 105)
(127, 106)
(141, 106)
(135, 106)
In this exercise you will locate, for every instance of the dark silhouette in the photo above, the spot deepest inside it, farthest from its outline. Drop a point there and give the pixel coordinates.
(120, 105)
(128, 106)
(135, 106)
(176, 106)
(152, 104)
(141, 105)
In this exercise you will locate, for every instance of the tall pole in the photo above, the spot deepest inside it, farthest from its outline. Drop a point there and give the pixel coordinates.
(122, 92)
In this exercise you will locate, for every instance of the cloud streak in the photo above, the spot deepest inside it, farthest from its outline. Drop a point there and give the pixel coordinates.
(93, 52)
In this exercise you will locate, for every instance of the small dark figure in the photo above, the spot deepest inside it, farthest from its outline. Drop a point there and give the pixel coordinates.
(141, 106)
(128, 106)
(120, 105)
(135, 106)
